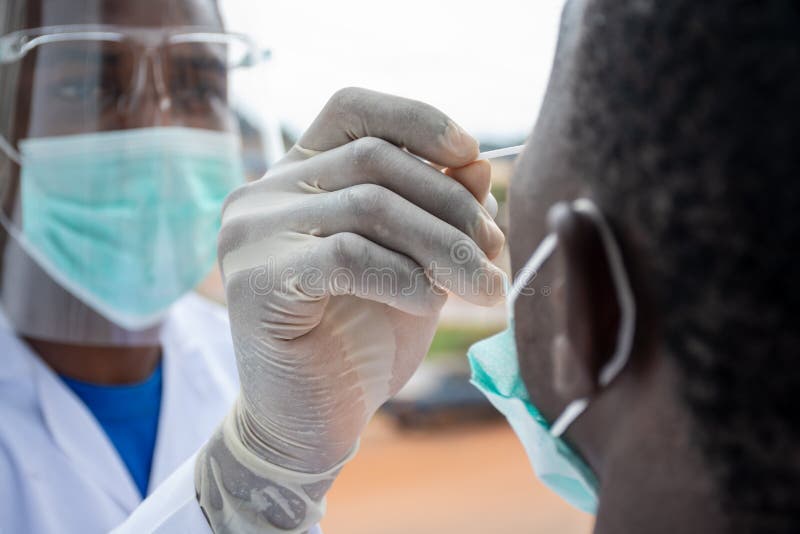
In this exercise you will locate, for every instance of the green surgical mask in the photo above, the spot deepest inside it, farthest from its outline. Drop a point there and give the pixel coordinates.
(126, 220)
(495, 371)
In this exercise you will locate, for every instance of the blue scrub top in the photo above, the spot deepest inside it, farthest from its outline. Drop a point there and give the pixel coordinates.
(129, 416)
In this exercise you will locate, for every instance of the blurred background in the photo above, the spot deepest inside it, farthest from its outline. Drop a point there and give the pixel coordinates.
(437, 458)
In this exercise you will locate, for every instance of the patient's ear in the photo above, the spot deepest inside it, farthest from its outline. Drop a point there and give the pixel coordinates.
(587, 312)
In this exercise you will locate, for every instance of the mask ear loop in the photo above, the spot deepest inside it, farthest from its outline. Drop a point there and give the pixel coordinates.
(16, 157)
(529, 270)
(627, 306)
(10, 151)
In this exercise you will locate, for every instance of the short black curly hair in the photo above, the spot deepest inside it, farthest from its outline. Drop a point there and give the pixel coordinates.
(685, 124)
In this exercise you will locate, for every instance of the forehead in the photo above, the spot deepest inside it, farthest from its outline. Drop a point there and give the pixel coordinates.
(152, 13)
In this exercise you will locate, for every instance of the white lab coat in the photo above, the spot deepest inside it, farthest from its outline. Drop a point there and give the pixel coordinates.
(58, 470)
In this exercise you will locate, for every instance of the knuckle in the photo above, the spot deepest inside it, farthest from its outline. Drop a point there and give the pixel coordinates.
(368, 200)
(464, 206)
(458, 206)
(349, 109)
(369, 153)
(458, 200)
(345, 101)
(234, 196)
(462, 251)
(346, 106)
(348, 249)
(420, 113)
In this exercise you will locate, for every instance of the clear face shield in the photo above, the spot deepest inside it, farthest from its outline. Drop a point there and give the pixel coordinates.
(118, 146)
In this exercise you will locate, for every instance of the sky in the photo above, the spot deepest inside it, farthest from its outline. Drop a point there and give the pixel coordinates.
(485, 64)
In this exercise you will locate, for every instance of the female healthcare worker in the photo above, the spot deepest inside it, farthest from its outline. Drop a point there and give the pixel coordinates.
(119, 147)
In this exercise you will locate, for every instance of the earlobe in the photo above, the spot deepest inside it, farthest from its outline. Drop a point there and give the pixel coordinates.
(572, 379)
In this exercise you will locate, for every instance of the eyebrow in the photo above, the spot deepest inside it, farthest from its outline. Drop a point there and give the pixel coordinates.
(204, 63)
(55, 56)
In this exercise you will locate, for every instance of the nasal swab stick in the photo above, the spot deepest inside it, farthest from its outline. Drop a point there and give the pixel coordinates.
(489, 154)
(500, 152)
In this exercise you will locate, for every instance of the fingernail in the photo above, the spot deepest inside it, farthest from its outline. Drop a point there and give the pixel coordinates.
(460, 142)
(494, 284)
(490, 204)
(495, 238)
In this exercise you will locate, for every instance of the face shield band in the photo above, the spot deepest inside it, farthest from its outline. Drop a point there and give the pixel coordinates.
(120, 146)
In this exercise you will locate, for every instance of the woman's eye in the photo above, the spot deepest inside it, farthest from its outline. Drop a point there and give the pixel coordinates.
(198, 94)
(73, 90)
(86, 91)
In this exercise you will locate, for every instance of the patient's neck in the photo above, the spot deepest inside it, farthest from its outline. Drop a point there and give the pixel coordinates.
(98, 365)
(655, 479)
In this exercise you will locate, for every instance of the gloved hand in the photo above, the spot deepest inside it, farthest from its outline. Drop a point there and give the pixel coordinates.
(335, 265)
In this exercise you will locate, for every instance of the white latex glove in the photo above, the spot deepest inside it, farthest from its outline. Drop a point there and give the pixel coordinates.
(335, 264)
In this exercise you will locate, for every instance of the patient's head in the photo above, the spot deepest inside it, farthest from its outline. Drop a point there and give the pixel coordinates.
(678, 118)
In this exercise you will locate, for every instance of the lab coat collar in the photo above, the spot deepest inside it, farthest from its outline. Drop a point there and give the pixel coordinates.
(11, 347)
(71, 425)
(81, 438)
(177, 399)
(86, 444)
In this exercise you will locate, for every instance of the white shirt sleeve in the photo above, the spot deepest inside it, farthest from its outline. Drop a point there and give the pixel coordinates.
(172, 508)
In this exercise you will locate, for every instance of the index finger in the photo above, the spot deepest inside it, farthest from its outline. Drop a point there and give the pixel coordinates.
(354, 113)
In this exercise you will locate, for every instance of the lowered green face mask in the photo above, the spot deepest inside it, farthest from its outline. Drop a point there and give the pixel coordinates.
(495, 371)
(127, 220)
